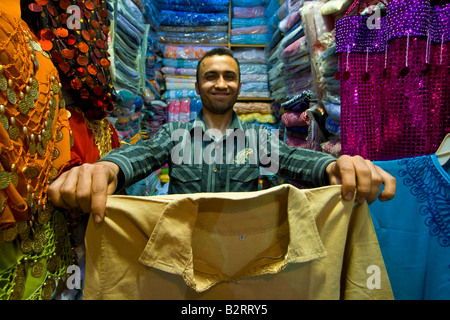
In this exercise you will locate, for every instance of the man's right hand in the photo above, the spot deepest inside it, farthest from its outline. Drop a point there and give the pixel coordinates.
(85, 187)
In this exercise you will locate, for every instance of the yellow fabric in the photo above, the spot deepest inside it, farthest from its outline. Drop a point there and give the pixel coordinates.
(279, 243)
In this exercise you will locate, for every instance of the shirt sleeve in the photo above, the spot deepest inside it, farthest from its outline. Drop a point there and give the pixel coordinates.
(138, 161)
(304, 166)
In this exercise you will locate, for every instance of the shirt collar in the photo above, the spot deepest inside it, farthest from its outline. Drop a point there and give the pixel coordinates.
(236, 123)
(172, 232)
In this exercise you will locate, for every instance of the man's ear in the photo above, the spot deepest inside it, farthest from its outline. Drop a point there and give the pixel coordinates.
(239, 88)
(197, 90)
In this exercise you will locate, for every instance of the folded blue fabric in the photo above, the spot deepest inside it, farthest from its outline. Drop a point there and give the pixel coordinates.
(193, 2)
(175, 18)
(195, 8)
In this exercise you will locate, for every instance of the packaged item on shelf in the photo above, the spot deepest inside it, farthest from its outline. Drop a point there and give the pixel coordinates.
(178, 18)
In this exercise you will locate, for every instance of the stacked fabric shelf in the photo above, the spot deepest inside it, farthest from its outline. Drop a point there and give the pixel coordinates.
(128, 42)
(193, 21)
(248, 23)
(254, 74)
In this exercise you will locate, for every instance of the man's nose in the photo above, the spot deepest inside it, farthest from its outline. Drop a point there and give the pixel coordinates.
(221, 83)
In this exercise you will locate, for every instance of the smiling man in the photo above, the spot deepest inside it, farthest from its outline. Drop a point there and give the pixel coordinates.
(218, 84)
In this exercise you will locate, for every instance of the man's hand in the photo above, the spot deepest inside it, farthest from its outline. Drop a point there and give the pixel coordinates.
(85, 187)
(362, 176)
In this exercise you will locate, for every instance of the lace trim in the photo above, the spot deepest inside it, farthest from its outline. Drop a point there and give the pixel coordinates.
(429, 186)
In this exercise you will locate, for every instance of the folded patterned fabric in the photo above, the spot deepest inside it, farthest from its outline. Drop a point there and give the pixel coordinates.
(254, 78)
(180, 63)
(195, 8)
(297, 142)
(179, 85)
(179, 71)
(177, 18)
(255, 94)
(258, 117)
(193, 29)
(295, 119)
(248, 3)
(254, 86)
(196, 37)
(297, 49)
(186, 52)
(196, 3)
(249, 30)
(176, 94)
(249, 38)
(253, 69)
(333, 110)
(252, 107)
(180, 79)
(250, 55)
(241, 23)
(290, 21)
(333, 126)
(248, 12)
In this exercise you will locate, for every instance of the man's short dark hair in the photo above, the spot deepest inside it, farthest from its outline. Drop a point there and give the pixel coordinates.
(219, 52)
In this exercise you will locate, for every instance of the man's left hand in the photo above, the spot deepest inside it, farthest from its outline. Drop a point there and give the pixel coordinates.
(361, 175)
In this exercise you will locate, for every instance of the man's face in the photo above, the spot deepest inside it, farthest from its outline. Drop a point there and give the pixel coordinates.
(218, 83)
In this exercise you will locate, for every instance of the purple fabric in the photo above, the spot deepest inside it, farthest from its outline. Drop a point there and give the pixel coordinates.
(414, 17)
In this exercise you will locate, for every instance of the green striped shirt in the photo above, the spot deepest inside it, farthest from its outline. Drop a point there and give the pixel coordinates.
(201, 160)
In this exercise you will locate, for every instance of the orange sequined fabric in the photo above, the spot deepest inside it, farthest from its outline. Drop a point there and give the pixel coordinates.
(34, 130)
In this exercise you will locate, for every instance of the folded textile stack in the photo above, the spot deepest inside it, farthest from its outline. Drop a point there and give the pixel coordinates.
(254, 76)
(287, 52)
(179, 69)
(261, 113)
(193, 21)
(128, 41)
(320, 38)
(296, 120)
(183, 110)
(126, 116)
(248, 23)
(128, 50)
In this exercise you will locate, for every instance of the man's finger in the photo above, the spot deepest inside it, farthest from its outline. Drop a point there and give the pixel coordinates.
(390, 186)
(346, 171)
(54, 192)
(101, 187)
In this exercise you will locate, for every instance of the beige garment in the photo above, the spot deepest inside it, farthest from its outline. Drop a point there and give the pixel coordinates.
(280, 243)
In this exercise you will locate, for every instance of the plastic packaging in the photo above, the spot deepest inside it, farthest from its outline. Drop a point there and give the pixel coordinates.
(242, 23)
(176, 18)
(180, 63)
(248, 12)
(186, 52)
(254, 78)
(195, 8)
(249, 39)
(248, 3)
(197, 37)
(250, 55)
(253, 68)
(179, 71)
(184, 115)
(193, 29)
(249, 30)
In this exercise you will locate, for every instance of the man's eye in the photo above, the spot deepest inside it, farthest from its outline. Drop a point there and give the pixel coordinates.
(230, 77)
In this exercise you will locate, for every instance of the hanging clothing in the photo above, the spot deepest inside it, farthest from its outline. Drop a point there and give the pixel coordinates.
(413, 229)
(35, 250)
(279, 243)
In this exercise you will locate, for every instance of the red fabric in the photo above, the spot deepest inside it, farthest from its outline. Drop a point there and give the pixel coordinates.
(84, 149)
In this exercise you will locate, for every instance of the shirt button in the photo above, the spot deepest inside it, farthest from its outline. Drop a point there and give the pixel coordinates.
(215, 169)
